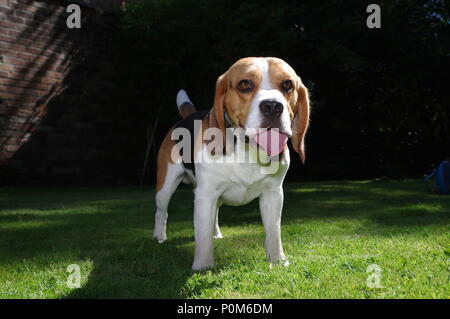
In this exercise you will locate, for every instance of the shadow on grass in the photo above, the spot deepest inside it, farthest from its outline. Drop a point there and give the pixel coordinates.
(113, 229)
(394, 203)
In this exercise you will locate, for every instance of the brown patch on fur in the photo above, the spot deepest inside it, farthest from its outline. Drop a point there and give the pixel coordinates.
(301, 120)
(298, 101)
(164, 158)
(280, 71)
(208, 121)
(228, 98)
(165, 152)
(216, 115)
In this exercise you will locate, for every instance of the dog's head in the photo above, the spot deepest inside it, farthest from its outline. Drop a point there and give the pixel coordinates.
(263, 93)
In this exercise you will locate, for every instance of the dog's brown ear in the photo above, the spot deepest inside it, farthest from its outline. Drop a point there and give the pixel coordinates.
(301, 120)
(216, 117)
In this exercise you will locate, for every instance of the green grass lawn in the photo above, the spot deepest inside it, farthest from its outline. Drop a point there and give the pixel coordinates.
(332, 232)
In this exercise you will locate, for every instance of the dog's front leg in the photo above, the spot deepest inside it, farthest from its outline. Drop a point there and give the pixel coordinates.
(205, 207)
(271, 204)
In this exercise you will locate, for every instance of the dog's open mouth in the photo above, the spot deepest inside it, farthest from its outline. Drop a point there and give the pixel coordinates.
(272, 141)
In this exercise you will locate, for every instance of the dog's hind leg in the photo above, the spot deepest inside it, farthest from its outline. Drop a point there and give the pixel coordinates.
(173, 176)
(217, 232)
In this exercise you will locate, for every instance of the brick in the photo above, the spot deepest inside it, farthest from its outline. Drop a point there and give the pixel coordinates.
(3, 37)
(3, 139)
(24, 112)
(5, 9)
(15, 61)
(15, 19)
(5, 156)
(24, 84)
(26, 2)
(20, 99)
(8, 110)
(4, 67)
(22, 55)
(17, 119)
(14, 126)
(16, 47)
(15, 141)
(23, 14)
(12, 133)
(16, 34)
(30, 92)
(26, 104)
(12, 148)
(48, 80)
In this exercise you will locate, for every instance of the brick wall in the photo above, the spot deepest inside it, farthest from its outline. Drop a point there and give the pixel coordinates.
(57, 120)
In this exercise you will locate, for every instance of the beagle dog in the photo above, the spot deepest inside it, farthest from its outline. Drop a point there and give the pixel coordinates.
(266, 100)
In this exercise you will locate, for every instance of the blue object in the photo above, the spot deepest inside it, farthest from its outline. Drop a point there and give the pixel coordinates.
(442, 177)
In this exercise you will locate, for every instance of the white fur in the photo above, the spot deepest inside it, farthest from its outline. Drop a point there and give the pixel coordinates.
(266, 91)
(182, 97)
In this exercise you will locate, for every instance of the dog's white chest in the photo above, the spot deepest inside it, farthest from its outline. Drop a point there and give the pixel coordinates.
(238, 194)
(240, 183)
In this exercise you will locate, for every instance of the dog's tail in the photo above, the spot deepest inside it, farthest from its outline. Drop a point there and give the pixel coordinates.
(185, 106)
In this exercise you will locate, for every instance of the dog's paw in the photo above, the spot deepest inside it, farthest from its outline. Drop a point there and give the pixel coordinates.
(282, 262)
(200, 265)
(218, 235)
(160, 238)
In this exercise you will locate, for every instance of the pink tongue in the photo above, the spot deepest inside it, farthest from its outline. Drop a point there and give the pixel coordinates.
(272, 141)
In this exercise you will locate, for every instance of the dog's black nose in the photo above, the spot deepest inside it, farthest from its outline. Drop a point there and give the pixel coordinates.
(271, 108)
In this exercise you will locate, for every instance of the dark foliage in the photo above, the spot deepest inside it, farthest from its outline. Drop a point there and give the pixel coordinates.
(380, 98)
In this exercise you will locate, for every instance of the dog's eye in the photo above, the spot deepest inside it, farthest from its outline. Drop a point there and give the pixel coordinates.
(245, 86)
(287, 85)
